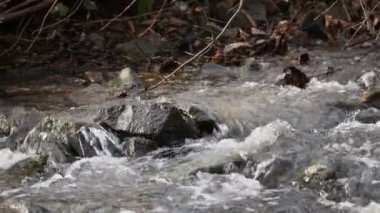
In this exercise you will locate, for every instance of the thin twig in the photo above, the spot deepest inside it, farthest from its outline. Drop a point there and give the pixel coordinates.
(124, 18)
(205, 49)
(18, 38)
(26, 11)
(374, 7)
(18, 6)
(353, 36)
(325, 11)
(118, 16)
(364, 9)
(42, 24)
(346, 10)
(361, 23)
(64, 19)
(154, 19)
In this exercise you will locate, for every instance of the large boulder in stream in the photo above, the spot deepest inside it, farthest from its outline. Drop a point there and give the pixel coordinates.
(64, 141)
(160, 122)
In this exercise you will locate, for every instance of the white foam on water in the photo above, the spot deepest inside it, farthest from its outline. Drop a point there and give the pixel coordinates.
(260, 138)
(210, 189)
(8, 158)
(335, 86)
(126, 211)
(98, 163)
(372, 207)
(48, 182)
(160, 209)
(227, 149)
(7, 193)
(100, 139)
(250, 84)
(347, 126)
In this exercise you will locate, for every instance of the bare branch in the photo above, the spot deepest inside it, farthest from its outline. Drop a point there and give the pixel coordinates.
(118, 16)
(42, 24)
(26, 11)
(205, 49)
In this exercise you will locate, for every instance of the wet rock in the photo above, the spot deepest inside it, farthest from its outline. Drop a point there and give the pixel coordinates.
(293, 76)
(10, 207)
(53, 137)
(28, 167)
(362, 192)
(316, 174)
(321, 178)
(102, 142)
(235, 166)
(138, 146)
(367, 80)
(128, 79)
(371, 99)
(205, 123)
(304, 59)
(64, 141)
(93, 77)
(19, 121)
(29, 170)
(5, 126)
(172, 152)
(160, 122)
(368, 116)
(274, 172)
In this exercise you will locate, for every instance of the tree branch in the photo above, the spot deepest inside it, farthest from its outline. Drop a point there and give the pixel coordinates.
(26, 11)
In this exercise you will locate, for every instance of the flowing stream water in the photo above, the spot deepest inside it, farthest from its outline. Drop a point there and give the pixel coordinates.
(259, 121)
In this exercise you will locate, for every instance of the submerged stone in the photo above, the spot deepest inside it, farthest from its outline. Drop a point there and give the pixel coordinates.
(274, 172)
(368, 116)
(205, 123)
(293, 76)
(321, 178)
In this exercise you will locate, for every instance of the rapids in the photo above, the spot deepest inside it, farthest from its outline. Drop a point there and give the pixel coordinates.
(260, 122)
